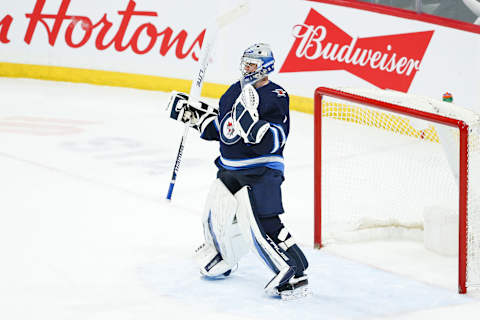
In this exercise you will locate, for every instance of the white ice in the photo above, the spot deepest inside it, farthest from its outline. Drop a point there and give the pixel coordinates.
(85, 232)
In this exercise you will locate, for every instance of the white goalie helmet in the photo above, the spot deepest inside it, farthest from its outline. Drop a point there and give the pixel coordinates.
(261, 55)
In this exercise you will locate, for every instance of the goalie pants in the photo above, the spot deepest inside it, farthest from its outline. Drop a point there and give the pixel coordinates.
(264, 186)
(266, 201)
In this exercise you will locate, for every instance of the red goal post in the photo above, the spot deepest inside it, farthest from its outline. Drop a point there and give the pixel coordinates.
(399, 105)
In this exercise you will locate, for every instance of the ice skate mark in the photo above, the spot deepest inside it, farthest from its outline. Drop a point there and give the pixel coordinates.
(40, 126)
(86, 179)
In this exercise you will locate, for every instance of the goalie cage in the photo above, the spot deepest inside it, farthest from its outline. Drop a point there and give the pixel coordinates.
(379, 164)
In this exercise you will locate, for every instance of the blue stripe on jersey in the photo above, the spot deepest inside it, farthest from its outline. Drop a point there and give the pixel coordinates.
(282, 133)
(276, 144)
(272, 161)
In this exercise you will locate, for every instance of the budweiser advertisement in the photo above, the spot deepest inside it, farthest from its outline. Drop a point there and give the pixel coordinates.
(314, 43)
(388, 62)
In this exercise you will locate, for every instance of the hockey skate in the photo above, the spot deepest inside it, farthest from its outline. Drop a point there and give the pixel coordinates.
(295, 288)
(281, 278)
(287, 286)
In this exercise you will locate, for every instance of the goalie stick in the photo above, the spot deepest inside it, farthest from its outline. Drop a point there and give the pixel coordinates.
(196, 88)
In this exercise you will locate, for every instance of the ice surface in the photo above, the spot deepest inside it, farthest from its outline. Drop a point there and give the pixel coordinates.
(85, 232)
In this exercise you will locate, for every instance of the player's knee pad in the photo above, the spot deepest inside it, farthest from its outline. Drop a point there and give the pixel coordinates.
(224, 243)
(270, 252)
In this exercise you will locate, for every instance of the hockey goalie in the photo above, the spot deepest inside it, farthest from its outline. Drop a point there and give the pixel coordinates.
(244, 205)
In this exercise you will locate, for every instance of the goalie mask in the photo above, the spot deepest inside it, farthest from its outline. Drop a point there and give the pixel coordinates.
(261, 56)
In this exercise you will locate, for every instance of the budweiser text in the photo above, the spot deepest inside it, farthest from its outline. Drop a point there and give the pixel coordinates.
(389, 61)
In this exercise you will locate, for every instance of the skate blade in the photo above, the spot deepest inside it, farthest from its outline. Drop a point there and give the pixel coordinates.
(295, 294)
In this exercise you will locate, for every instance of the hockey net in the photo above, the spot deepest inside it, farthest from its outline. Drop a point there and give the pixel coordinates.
(383, 157)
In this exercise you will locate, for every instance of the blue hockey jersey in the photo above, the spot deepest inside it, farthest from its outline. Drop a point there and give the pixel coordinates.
(235, 154)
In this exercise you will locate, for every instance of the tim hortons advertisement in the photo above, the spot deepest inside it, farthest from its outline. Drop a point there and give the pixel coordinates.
(314, 44)
(63, 30)
(141, 41)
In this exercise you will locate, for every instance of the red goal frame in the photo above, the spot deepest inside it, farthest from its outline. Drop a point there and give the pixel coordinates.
(463, 165)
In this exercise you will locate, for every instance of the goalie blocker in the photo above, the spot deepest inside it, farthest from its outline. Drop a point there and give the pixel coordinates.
(195, 113)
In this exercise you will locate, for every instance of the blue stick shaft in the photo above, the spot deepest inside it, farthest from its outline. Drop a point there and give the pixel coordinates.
(177, 164)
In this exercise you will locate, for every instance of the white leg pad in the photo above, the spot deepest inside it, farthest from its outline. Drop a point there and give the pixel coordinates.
(267, 249)
(221, 230)
(210, 261)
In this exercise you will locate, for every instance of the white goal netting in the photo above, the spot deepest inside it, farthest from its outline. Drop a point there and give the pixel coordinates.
(382, 169)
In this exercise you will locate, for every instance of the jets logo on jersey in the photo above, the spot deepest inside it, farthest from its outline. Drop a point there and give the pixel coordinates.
(280, 92)
(228, 135)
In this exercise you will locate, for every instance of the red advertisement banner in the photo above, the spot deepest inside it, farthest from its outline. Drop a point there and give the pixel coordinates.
(104, 33)
(388, 62)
